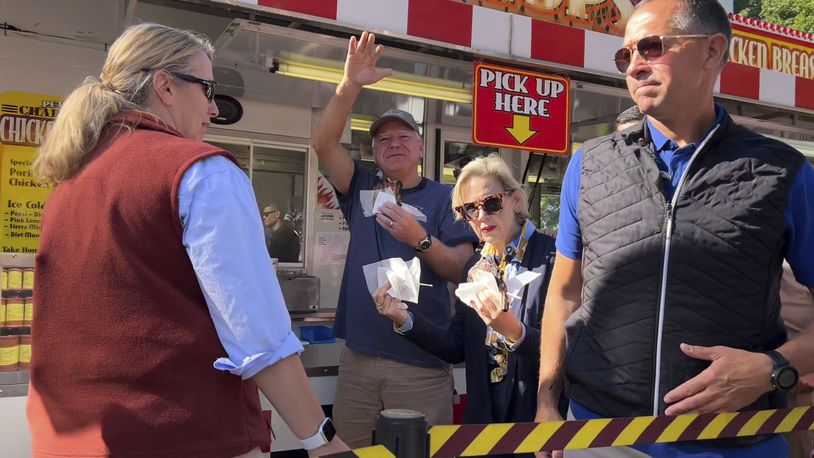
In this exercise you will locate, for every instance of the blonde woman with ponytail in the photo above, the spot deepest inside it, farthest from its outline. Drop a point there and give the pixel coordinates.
(123, 86)
(158, 311)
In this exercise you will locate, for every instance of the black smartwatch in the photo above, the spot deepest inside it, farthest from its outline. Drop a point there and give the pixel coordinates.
(323, 436)
(424, 244)
(784, 375)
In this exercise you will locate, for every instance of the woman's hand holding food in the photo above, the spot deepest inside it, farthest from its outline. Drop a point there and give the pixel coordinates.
(489, 307)
(390, 306)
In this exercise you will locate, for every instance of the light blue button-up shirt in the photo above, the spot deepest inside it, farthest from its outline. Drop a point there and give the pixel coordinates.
(223, 236)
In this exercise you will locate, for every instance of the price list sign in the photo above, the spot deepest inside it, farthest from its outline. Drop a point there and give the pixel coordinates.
(25, 119)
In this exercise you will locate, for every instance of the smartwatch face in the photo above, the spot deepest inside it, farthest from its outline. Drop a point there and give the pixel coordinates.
(786, 378)
(328, 430)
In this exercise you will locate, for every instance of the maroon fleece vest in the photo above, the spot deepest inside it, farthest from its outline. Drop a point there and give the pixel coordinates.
(123, 343)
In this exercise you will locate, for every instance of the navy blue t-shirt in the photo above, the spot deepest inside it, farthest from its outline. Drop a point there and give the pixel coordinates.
(357, 320)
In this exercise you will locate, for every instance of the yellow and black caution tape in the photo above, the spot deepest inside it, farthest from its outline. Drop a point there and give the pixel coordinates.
(507, 438)
(377, 451)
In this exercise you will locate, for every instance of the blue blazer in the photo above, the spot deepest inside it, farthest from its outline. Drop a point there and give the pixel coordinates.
(464, 342)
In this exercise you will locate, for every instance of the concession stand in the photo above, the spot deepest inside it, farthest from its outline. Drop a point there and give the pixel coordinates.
(542, 70)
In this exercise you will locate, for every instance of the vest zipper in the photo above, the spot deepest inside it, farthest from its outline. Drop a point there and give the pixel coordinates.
(669, 214)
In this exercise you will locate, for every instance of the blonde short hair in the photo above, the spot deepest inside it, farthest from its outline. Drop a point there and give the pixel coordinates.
(491, 166)
(123, 85)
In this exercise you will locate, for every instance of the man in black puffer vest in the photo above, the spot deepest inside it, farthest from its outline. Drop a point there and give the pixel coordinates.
(671, 239)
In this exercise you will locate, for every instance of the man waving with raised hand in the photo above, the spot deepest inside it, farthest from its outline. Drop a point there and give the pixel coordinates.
(379, 368)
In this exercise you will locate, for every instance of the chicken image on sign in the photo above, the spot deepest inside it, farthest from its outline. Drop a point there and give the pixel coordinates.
(520, 109)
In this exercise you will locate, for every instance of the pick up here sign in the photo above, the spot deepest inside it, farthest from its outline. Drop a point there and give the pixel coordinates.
(520, 109)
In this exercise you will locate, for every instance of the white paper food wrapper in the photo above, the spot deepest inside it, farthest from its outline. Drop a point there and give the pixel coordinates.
(404, 277)
(370, 208)
(482, 280)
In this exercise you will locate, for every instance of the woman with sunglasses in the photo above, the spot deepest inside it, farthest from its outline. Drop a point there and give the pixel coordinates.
(151, 270)
(497, 335)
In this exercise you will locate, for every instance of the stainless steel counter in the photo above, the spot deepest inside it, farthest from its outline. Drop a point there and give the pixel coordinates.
(326, 316)
(321, 360)
(13, 384)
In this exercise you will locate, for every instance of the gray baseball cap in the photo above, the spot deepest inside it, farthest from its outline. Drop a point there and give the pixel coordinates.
(391, 114)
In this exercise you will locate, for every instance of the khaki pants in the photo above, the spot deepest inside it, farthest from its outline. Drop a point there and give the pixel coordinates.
(369, 384)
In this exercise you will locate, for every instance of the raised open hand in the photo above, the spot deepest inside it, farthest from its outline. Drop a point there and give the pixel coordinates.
(360, 64)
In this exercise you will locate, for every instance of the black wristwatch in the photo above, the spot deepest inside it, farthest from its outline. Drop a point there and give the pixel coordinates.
(323, 436)
(784, 375)
(424, 244)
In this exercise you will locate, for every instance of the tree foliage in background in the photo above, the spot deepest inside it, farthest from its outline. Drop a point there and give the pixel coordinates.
(798, 14)
(748, 8)
(549, 213)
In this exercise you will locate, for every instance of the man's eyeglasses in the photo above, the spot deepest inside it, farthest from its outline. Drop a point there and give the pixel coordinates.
(209, 86)
(650, 48)
(492, 205)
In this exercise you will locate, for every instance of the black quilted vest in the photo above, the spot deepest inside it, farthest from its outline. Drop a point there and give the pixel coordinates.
(714, 281)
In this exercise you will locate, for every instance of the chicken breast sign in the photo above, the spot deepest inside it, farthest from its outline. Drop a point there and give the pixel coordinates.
(520, 109)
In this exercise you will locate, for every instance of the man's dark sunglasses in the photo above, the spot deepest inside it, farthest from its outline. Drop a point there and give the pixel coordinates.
(492, 205)
(650, 48)
(209, 86)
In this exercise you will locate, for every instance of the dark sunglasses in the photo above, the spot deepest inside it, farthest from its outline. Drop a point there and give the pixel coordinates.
(209, 86)
(650, 48)
(492, 205)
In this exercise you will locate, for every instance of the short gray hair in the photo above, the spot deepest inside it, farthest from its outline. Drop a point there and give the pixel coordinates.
(701, 17)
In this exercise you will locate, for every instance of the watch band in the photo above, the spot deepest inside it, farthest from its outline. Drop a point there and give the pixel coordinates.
(318, 439)
(777, 359)
(781, 367)
(424, 244)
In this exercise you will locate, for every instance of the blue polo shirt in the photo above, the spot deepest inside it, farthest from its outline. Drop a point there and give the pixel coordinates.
(357, 320)
(799, 214)
(798, 250)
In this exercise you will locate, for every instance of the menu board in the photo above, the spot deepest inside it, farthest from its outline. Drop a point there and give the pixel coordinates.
(25, 119)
